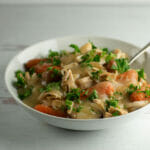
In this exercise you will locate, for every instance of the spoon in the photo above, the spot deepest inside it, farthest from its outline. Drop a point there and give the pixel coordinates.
(138, 54)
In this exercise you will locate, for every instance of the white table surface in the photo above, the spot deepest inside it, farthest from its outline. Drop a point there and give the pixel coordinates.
(22, 25)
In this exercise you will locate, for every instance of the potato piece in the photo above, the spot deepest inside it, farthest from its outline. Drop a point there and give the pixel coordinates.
(84, 82)
(85, 48)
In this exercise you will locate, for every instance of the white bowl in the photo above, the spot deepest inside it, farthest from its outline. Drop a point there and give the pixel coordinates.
(42, 48)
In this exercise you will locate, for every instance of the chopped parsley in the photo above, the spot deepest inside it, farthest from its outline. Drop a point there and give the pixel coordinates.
(105, 50)
(39, 75)
(147, 92)
(75, 47)
(25, 93)
(78, 109)
(54, 58)
(53, 54)
(132, 88)
(96, 58)
(51, 86)
(90, 57)
(68, 104)
(117, 93)
(111, 102)
(49, 68)
(121, 65)
(109, 57)
(96, 74)
(86, 65)
(84, 92)
(116, 113)
(140, 74)
(41, 62)
(93, 46)
(55, 74)
(20, 79)
(74, 95)
(56, 71)
(93, 95)
(56, 61)
(63, 52)
(31, 70)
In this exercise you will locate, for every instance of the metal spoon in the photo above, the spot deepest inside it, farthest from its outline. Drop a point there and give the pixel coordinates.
(138, 54)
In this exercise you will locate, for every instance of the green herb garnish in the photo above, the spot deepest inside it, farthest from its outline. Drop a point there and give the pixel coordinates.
(132, 88)
(116, 113)
(109, 57)
(96, 74)
(90, 57)
(63, 52)
(93, 95)
(93, 46)
(96, 58)
(49, 68)
(56, 61)
(53, 54)
(121, 65)
(147, 92)
(25, 93)
(51, 86)
(20, 79)
(78, 109)
(105, 50)
(140, 74)
(74, 95)
(68, 104)
(31, 71)
(75, 47)
(111, 102)
(118, 93)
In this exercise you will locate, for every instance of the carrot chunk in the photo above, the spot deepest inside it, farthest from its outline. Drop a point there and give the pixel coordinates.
(130, 76)
(31, 63)
(49, 110)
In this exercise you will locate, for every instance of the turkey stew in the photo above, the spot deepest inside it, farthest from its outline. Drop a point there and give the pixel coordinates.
(85, 83)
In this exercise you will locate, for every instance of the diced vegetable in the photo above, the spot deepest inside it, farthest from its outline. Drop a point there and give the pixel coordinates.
(112, 102)
(93, 95)
(74, 95)
(102, 88)
(139, 94)
(26, 92)
(130, 76)
(110, 57)
(20, 79)
(68, 104)
(121, 65)
(93, 46)
(141, 74)
(53, 54)
(51, 86)
(42, 68)
(33, 62)
(49, 110)
(96, 74)
(116, 113)
(75, 47)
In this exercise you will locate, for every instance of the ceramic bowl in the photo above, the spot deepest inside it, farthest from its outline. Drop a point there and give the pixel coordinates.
(42, 48)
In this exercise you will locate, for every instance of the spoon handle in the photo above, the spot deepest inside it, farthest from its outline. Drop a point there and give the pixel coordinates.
(143, 50)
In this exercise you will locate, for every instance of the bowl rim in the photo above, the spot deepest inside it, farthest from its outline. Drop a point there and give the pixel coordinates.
(19, 101)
